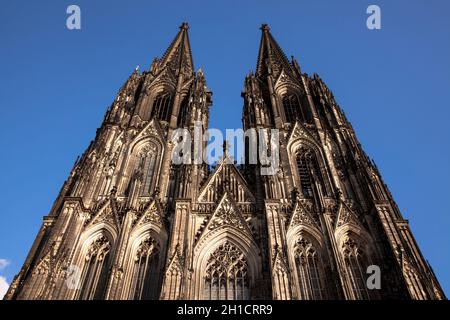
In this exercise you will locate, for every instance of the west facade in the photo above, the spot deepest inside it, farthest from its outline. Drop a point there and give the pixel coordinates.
(130, 224)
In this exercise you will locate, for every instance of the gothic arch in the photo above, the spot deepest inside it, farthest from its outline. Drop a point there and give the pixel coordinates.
(292, 109)
(358, 252)
(283, 87)
(96, 229)
(162, 84)
(165, 81)
(158, 90)
(184, 108)
(351, 230)
(144, 159)
(93, 258)
(150, 133)
(305, 141)
(239, 240)
(304, 229)
(294, 147)
(156, 238)
(307, 257)
(414, 282)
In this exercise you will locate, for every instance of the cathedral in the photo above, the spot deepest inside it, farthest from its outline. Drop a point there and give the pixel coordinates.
(128, 223)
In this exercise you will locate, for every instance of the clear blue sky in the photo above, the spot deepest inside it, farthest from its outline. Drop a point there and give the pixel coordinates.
(393, 84)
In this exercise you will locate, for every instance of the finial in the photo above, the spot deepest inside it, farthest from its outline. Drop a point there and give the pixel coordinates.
(265, 27)
(137, 68)
(225, 148)
(184, 26)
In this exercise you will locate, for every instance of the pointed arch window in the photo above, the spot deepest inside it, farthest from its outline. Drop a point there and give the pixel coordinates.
(308, 171)
(95, 271)
(226, 275)
(184, 112)
(291, 106)
(296, 108)
(145, 281)
(162, 107)
(414, 284)
(144, 168)
(309, 271)
(356, 264)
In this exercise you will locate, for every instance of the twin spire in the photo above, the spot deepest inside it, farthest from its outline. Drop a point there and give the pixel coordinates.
(270, 54)
(178, 55)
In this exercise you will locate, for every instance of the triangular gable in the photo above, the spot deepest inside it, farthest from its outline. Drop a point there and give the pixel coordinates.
(43, 266)
(187, 84)
(210, 182)
(152, 214)
(166, 75)
(347, 216)
(151, 129)
(175, 262)
(302, 216)
(104, 215)
(300, 131)
(227, 215)
(280, 263)
(286, 78)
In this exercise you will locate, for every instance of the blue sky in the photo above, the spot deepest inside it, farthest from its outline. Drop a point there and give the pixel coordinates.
(393, 84)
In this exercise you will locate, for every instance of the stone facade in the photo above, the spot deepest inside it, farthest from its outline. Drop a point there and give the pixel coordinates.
(129, 224)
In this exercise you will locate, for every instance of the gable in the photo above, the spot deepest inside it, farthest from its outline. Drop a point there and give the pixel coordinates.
(226, 177)
(105, 214)
(346, 215)
(151, 129)
(302, 216)
(226, 215)
(300, 131)
(151, 214)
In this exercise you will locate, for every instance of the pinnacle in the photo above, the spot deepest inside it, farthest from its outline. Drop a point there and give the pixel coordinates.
(265, 27)
(184, 26)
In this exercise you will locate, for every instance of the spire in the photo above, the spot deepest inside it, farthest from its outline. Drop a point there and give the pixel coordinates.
(178, 56)
(270, 54)
(225, 147)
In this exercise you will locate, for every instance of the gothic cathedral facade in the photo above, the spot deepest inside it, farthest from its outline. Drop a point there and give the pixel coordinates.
(129, 224)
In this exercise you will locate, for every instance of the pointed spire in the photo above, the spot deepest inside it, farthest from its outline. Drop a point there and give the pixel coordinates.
(178, 56)
(225, 147)
(270, 54)
(227, 157)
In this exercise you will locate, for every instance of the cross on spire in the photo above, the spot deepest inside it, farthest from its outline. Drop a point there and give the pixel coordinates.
(226, 148)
